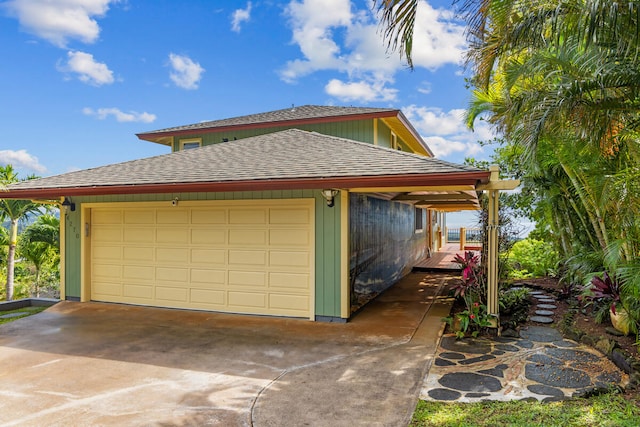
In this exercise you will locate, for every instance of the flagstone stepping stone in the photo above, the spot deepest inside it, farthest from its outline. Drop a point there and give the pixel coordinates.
(547, 301)
(507, 347)
(564, 343)
(443, 362)
(542, 296)
(543, 359)
(498, 352)
(524, 344)
(556, 376)
(498, 371)
(452, 356)
(534, 293)
(505, 340)
(575, 356)
(11, 315)
(444, 394)
(540, 334)
(541, 319)
(470, 381)
(547, 306)
(544, 313)
(468, 346)
(477, 395)
(545, 390)
(476, 359)
(610, 377)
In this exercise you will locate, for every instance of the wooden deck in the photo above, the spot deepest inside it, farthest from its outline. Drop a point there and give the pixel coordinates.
(441, 260)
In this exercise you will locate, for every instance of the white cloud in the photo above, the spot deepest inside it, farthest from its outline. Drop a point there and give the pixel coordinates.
(119, 115)
(360, 91)
(351, 42)
(446, 132)
(438, 38)
(239, 16)
(87, 68)
(59, 21)
(21, 159)
(186, 73)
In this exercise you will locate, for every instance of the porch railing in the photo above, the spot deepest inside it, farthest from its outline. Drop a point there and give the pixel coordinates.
(465, 236)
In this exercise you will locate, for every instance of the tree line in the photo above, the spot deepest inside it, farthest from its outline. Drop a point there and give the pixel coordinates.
(560, 83)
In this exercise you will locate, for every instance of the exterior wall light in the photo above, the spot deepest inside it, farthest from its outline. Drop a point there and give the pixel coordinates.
(174, 202)
(68, 204)
(329, 195)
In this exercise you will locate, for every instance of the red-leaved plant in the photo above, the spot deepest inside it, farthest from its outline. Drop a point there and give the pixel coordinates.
(604, 289)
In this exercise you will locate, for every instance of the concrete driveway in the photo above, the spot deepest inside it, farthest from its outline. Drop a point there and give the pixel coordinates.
(81, 364)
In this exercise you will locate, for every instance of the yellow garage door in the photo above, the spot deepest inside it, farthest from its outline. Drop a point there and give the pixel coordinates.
(233, 256)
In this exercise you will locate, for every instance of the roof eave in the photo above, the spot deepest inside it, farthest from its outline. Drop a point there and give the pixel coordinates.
(471, 178)
(159, 136)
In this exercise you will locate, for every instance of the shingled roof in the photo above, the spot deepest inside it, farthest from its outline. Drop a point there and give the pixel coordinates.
(294, 117)
(294, 114)
(290, 159)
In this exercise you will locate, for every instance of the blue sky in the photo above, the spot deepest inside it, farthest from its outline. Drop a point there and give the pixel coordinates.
(81, 77)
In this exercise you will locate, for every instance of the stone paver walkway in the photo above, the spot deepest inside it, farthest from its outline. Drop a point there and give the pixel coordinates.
(540, 365)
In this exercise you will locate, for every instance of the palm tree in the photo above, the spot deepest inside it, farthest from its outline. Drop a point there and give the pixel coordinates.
(40, 245)
(397, 19)
(14, 211)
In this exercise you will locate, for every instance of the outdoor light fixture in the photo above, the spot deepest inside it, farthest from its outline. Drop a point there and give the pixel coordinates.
(68, 204)
(328, 195)
(174, 202)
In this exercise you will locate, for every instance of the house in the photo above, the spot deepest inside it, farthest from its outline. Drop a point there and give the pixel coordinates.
(293, 212)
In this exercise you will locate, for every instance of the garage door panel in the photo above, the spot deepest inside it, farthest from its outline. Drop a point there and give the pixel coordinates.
(209, 256)
(289, 281)
(247, 300)
(133, 234)
(208, 236)
(105, 270)
(297, 259)
(172, 294)
(248, 216)
(175, 236)
(240, 257)
(143, 272)
(212, 277)
(247, 278)
(172, 255)
(289, 216)
(208, 216)
(208, 296)
(138, 253)
(172, 216)
(107, 288)
(108, 253)
(173, 274)
(107, 234)
(289, 302)
(246, 237)
(233, 256)
(289, 237)
(138, 216)
(107, 216)
(144, 292)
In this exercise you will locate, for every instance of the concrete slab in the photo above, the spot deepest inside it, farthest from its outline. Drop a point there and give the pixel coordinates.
(107, 364)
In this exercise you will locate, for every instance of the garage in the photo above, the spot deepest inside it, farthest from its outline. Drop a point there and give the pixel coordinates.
(239, 256)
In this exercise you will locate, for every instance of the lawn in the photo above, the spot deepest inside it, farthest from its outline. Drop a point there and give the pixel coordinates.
(23, 312)
(603, 410)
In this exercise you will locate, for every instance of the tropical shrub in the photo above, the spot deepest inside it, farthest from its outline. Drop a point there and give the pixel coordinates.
(532, 258)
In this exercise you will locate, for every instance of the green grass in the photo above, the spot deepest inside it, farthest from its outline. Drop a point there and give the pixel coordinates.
(28, 311)
(604, 410)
